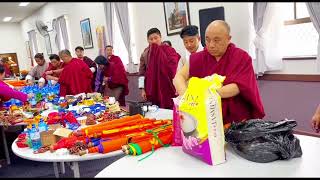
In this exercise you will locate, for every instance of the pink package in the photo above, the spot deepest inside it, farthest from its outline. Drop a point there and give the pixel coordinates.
(177, 137)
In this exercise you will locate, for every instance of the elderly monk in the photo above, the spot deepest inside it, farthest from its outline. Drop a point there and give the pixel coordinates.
(53, 72)
(90, 63)
(37, 71)
(158, 65)
(191, 41)
(240, 94)
(75, 77)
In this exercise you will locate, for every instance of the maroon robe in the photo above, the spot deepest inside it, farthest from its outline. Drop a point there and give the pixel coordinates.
(51, 68)
(90, 63)
(118, 75)
(75, 78)
(161, 69)
(236, 65)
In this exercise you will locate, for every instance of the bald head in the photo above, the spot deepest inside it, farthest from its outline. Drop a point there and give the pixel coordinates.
(219, 25)
(217, 38)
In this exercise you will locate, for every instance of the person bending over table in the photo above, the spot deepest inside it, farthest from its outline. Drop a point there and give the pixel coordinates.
(38, 70)
(75, 77)
(7, 93)
(53, 72)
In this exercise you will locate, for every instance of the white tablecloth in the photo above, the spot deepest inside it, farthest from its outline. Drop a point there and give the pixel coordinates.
(27, 153)
(173, 162)
(160, 114)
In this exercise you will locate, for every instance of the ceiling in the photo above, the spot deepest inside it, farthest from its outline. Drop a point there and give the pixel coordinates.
(18, 13)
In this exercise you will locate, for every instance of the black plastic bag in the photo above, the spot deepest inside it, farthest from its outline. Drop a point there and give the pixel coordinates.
(264, 141)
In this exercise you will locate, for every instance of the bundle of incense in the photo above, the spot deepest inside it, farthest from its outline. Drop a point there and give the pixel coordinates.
(130, 134)
(106, 146)
(148, 144)
(112, 124)
(135, 128)
(116, 143)
(98, 132)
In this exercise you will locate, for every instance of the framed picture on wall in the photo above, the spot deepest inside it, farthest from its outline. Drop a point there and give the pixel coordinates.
(86, 33)
(177, 16)
(48, 44)
(101, 40)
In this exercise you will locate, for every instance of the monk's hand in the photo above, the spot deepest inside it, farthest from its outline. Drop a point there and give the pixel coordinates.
(105, 79)
(143, 95)
(53, 82)
(316, 122)
(29, 82)
(41, 84)
(49, 72)
(30, 95)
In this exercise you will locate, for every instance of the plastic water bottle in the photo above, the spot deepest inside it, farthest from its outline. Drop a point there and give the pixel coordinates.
(33, 101)
(42, 126)
(35, 138)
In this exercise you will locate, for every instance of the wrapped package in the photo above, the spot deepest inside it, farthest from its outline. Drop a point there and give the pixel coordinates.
(201, 120)
(177, 137)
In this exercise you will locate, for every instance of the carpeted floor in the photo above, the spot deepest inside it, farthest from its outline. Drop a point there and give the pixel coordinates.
(22, 168)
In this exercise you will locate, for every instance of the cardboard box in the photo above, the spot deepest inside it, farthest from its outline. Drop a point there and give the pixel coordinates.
(48, 138)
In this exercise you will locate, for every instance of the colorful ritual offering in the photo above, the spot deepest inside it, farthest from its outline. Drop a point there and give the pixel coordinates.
(83, 124)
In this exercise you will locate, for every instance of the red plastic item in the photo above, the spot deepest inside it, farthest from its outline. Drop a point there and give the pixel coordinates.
(67, 142)
(22, 141)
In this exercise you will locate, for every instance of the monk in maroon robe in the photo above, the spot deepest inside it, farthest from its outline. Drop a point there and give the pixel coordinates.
(158, 65)
(75, 77)
(240, 94)
(115, 77)
(90, 63)
(53, 72)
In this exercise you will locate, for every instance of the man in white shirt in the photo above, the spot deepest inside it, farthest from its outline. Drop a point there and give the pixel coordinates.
(38, 70)
(192, 43)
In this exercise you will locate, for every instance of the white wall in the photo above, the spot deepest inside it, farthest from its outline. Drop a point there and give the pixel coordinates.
(298, 67)
(148, 15)
(75, 12)
(144, 16)
(12, 42)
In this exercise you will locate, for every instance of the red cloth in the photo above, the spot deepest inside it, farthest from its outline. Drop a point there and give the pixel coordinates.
(50, 68)
(75, 78)
(90, 63)
(236, 65)
(118, 75)
(161, 69)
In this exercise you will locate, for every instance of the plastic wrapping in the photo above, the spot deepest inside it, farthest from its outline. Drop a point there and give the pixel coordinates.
(264, 141)
(201, 120)
(177, 136)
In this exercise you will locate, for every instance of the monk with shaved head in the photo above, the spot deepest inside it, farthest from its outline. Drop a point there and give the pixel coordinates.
(240, 95)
